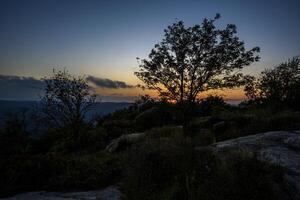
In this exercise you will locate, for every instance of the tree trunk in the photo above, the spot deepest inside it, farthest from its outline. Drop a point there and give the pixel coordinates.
(181, 87)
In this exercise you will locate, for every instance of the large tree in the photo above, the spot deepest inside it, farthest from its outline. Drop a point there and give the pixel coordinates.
(190, 60)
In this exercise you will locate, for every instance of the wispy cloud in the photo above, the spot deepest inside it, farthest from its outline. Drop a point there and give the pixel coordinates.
(107, 83)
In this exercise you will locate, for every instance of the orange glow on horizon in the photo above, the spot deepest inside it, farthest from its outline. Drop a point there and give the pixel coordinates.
(227, 94)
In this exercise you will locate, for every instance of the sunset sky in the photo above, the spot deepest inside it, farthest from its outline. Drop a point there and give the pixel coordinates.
(101, 39)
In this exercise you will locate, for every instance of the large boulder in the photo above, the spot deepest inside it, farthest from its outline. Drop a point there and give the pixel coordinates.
(279, 147)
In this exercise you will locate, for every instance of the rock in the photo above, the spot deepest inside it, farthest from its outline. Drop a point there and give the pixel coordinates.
(278, 147)
(124, 139)
(293, 142)
(219, 126)
(109, 193)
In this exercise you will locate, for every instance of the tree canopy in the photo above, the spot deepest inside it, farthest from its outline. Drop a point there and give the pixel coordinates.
(190, 60)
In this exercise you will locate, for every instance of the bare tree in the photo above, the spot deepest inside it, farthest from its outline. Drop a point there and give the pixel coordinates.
(190, 60)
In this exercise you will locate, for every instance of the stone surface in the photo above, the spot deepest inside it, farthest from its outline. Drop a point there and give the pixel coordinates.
(109, 193)
(278, 147)
(129, 138)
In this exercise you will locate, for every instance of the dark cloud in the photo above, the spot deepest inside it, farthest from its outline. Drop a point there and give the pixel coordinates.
(107, 83)
(20, 88)
(29, 88)
(20, 81)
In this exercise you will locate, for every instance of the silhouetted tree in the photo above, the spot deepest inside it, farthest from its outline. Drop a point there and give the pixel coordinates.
(190, 60)
(280, 84)
(67, 99)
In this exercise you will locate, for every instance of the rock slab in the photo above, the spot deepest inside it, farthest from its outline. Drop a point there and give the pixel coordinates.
(278, 147)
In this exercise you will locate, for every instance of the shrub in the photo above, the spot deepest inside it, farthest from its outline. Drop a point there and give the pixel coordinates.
(211, 104)
(57, 172)
(86, 171)
(161, 115)
(117, 127)
(257, 121)
(165, 132)
(203, 137)
(14, 135)
(201, 130)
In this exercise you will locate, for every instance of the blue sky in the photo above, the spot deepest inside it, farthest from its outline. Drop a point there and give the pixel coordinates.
(103, 38)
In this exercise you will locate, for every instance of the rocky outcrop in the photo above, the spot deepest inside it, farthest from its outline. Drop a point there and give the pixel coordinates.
(110, 193)
(115, 144)
(278, 147)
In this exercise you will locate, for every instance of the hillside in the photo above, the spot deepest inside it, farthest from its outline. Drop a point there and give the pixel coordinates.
(99, 108)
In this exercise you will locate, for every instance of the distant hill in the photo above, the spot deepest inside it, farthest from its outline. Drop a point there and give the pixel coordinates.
(99, 108)
(103, 108)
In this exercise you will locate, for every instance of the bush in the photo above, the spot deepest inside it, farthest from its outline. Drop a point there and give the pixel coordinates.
(161, 115)
(58, 172)
(60, 140)
(201, 130)
(212, 104)
(117, 127)
(257, 121)
(203, 137)
(14, 134)
(87, 171)
(165, 132)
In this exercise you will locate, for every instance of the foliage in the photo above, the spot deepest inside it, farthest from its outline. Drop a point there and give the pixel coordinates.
(236, 122)
(174, 132)
(57, 172)
(190, 60)
(61, 141)
(281, 84)
(14, 137)
(211, 103)
(253, 121)
(66, 100)
(122, 121)
(162, 114)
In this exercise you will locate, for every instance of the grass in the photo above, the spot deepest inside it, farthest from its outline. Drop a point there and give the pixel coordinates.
(166, 166)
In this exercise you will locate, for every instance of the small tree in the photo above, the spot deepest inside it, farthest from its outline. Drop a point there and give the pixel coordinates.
(280, 84)
(66, 100)
(190, 60)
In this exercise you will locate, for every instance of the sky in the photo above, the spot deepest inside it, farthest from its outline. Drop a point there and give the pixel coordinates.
(102, 38)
